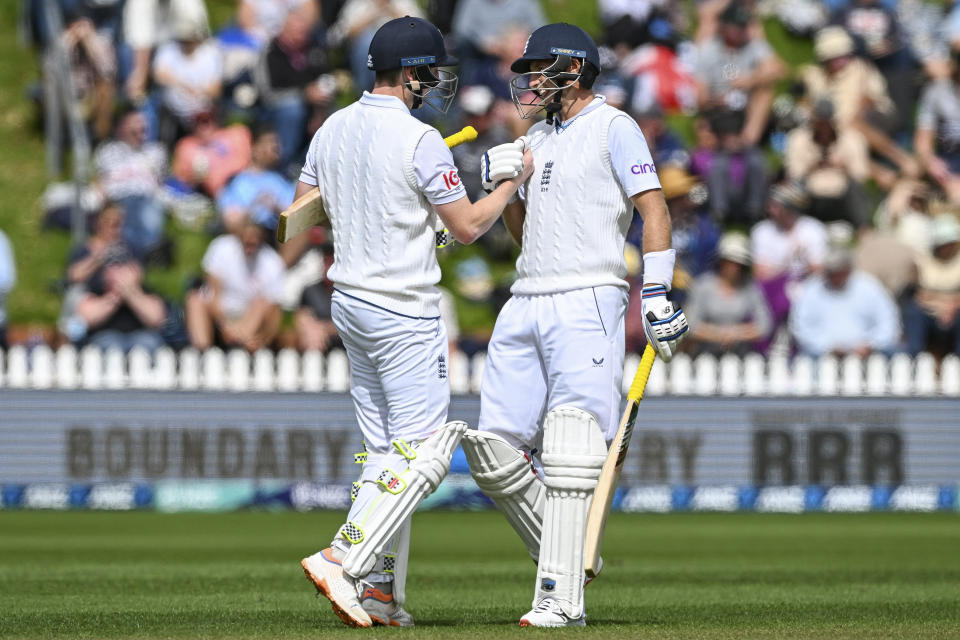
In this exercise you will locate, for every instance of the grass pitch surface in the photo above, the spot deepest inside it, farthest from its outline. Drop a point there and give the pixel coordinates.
(147, 575)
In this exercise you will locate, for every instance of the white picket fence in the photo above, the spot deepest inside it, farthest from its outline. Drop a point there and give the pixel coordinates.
(290, 371)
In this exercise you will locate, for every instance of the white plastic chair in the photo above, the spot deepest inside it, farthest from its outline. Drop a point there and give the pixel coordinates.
(901, 375)
(138, 365)
(878, 375)
(705, 375)
(828, 383)
(950, 376)
(164, 369)
(754, 375)
(680, 375)
(731, 375)
(925, 375)
(851, 375)
(802, 376)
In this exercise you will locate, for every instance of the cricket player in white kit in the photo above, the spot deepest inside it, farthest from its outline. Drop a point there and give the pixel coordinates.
(387, 182)
(554, 367)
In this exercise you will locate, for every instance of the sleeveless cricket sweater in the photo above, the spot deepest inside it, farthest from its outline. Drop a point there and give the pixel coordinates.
(383, 227)
(577, 214)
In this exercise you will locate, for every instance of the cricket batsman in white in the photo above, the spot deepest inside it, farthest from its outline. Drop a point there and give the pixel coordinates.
(387, 182)
(553, 373)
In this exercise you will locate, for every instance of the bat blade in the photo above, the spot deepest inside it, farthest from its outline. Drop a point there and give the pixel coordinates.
(613, 467)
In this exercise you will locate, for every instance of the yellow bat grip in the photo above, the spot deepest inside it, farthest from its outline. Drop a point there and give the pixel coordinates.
(643, 372)
(464, 135)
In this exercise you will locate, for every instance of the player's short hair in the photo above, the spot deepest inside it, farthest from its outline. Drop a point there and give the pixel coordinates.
(389, 76)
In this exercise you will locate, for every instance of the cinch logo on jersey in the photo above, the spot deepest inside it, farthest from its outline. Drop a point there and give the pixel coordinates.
(545, 176)
(646, 167)
(451, 179)
(417, 61)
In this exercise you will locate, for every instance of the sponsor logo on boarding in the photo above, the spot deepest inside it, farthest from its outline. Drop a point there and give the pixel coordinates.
(646, 167)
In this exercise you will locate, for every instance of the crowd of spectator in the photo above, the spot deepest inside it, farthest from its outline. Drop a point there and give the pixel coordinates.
(814, 206)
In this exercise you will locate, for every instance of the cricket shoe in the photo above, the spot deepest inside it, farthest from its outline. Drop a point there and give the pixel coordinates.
(382, 608)
(548, 613)
(326, 573)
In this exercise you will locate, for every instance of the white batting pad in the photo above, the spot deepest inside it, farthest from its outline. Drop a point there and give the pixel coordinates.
(410, 473)
(402, 555)
(574, 450)
(505, 475)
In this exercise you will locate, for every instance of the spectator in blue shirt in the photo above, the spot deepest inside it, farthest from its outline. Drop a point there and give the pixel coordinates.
(844, 311)
(258, 192)
(8, 277)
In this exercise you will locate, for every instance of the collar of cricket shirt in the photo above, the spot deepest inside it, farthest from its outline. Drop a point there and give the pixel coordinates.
(381, 100)
(597, 101)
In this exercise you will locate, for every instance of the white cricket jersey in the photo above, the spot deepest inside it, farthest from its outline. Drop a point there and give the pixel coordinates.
(578, 207)
(379, 170)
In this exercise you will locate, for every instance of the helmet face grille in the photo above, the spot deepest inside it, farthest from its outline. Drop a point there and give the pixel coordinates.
(433, 87)
(533, 91)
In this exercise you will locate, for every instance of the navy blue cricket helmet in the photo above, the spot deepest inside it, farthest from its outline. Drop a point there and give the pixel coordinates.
(560, 38)
(409, 42)
(559, 43)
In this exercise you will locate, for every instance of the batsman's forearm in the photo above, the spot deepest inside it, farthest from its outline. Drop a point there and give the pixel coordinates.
(513, 216)
(656, 220)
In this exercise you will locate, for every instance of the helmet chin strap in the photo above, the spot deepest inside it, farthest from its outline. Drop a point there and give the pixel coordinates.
(554, 107)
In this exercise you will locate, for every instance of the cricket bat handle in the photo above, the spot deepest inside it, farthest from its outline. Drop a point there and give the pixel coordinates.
(613, 466)
(467, 134)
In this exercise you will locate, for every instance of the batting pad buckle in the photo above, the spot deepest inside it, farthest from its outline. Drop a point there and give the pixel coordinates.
(360, 458)
(391, 481)
(405, 449)
(352, 533)
(354, 491)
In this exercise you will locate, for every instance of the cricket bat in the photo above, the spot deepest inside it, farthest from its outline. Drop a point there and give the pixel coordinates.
(307, 210)
(613, 466)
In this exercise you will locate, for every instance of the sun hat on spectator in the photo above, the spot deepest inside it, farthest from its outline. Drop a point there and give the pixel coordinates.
(791, 194)
(676, 182)
(735, 247)
(946, 230)
(831, 43)
(188, 28)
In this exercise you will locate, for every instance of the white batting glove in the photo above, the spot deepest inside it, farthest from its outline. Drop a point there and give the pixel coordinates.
(502, 162)
(663, 321)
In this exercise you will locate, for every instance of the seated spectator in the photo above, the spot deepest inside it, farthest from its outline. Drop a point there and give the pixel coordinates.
(787, 247)
(736, 70)
(355, 26)
(112, 309)
(832, 164)
(860, 100)
(257, 192)
(660, 77)
(665, 146)
(147, 24)
(314, 324)
(294, 81)
(736, 174)
(694, 233)
(937, 137)
(207, 158)
(725, 308)
(189, 73)
(844, 311)
(263, 19)
(130, 172)
(8, 278)
(878, 30)
(905, 214)
(479, 27)
(932, 314)
(238, 306)
(94, 67)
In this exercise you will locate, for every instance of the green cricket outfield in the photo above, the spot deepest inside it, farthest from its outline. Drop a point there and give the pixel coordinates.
(237, 575)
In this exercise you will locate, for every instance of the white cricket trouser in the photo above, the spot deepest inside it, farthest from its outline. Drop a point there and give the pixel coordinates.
(398, 371)
(554, 349)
